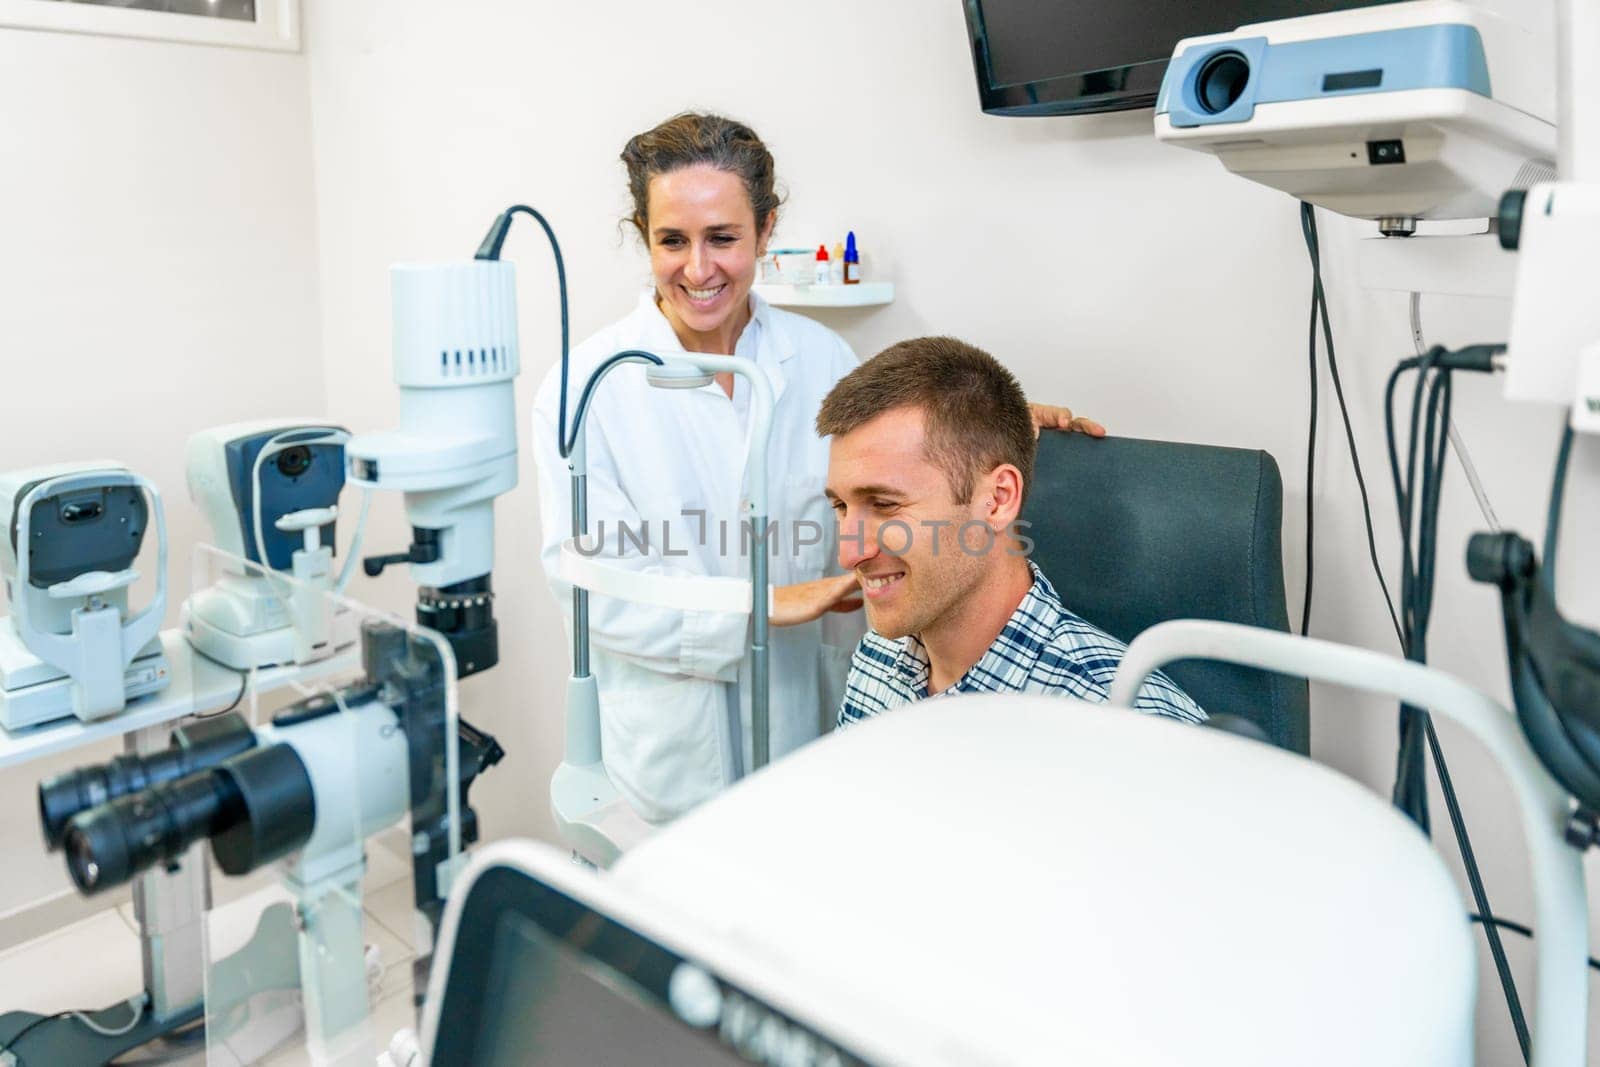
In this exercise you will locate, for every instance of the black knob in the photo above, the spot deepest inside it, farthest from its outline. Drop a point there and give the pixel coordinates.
(374, 565)
(1501, 559)
(1511, 205)
(424, 549)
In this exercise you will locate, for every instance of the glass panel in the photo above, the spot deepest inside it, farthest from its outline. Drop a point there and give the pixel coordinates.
(313, 936)
(237, 10)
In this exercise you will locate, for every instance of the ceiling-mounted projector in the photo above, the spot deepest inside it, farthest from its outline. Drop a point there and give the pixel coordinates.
(1399, 112)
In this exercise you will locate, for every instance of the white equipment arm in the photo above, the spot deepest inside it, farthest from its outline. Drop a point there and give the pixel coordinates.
(1561, 910)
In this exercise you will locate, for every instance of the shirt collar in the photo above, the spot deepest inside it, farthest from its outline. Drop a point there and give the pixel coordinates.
(1008, 662)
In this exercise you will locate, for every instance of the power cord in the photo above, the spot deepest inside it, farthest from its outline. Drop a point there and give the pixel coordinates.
(136, 1005)
(1319, 309)
(1419, 519)
(1311, 429)
(1416, 589)
(244, 684)
(1457, 443)
(1516, 928)
(1418, 573)
(490, 249)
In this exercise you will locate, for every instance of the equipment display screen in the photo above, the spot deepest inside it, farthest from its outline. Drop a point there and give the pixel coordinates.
(1044, 57)
(555, 1009)
(538, 978)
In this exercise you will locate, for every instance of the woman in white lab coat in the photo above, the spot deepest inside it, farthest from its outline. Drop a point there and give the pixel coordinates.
(672, 462)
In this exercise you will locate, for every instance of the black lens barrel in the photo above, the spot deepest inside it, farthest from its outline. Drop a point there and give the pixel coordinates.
(273, 809)
(195, 747)
(110, 844)
(256, 807)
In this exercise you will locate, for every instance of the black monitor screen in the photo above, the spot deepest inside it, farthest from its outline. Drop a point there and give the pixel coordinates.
(536, 978)
(1056, 57)
(557, 1008)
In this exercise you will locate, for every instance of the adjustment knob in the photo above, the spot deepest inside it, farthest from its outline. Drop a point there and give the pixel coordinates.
(1510, 216)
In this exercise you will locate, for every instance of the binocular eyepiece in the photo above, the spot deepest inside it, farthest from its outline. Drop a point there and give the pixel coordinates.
(194, 747)
(118, 819)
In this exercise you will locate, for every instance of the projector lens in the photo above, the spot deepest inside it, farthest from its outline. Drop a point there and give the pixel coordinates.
(1221, 81)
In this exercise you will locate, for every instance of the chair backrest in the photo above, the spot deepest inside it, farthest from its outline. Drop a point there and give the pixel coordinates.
(1133, 533)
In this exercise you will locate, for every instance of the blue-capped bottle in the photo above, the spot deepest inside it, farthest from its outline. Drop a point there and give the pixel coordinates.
(852, 260)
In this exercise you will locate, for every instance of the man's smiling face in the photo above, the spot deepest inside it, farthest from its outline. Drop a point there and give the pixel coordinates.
(899, 526)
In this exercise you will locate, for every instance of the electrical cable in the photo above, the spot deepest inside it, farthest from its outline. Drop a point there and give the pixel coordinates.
(631, 355)
(1552, 521)
(135, 1003)
(490, 250)
(1311, 453)
(1457, 442)
(1417, 571)
(1418, 491)
(349, 569)
(1516, 928)
(1308, 227)
(244, 684)
(1480, 897)
(1410, 788)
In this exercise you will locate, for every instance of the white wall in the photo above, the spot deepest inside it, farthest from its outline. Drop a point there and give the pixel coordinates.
(158, 276)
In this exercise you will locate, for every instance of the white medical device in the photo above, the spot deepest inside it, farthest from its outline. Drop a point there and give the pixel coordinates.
(1542, 800)
(455, 360)
(1398, 112)
(590, 814)
(71, 534)
(1554, 343)
(270, 492)
(1226, 903)
(306, 789)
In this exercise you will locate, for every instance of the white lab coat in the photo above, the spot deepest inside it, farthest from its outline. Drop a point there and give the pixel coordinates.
(667, 678)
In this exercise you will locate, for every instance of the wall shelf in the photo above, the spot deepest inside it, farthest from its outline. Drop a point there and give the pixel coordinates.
(864, 294)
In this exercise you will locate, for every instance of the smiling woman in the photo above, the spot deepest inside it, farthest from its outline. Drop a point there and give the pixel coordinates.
(704, 201)
(674, 694)
(673, 702)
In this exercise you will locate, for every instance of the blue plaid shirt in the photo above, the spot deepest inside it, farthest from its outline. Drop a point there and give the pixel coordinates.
(1044, 648)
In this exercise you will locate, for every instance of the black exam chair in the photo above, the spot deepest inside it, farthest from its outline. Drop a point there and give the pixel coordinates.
(1133, 533)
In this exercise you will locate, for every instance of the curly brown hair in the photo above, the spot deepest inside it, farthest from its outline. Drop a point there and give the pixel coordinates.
(693, 138)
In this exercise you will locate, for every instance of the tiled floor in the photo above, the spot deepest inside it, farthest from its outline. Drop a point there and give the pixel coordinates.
(96, 962)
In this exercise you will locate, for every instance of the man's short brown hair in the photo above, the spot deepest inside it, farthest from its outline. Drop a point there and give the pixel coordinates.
(975, 415)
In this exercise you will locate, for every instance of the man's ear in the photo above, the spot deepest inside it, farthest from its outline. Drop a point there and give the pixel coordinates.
(1003, 493)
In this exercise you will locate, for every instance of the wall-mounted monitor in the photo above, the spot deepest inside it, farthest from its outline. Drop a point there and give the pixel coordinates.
(1071, 57)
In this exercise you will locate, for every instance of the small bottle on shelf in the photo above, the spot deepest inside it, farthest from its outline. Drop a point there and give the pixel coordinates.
(851, 265)
(824, 274)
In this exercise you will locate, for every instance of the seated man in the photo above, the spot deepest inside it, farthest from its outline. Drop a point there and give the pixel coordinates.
(931, 455)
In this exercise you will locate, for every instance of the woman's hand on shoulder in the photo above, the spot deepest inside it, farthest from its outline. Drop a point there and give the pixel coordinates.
(1050, 417)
